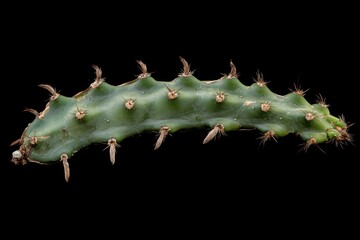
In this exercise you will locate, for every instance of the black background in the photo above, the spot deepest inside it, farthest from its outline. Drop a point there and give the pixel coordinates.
(315, 47)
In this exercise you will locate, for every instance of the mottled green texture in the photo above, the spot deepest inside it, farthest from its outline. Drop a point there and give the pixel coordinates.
(60, 132)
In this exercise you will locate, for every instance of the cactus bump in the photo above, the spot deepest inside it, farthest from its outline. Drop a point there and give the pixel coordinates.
(108, 114)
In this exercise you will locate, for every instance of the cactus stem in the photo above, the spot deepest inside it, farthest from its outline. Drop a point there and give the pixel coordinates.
(216, 132)
(64, 158)
(163, 132)
(105, 114)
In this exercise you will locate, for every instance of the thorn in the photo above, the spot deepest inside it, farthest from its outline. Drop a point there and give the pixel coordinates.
(265, 107)
(172, 94)
(217, 131)
(98, 78)
(342, 118)
(34, 139)
(142, 67)
(144, 73)
(233, 73)
(33, 111)
(18, 141)
(64, 159)
(310, 142)
(54, 94)
(79, 113)
(298, 91)
(345, 137)
(112, 145)
(322, 101)
(163, 132)
(260, 79)
(309, 116)
(220, 97)
(267, 136)
(129, 103)
(98, 73)
(186, 69)
(307, 144)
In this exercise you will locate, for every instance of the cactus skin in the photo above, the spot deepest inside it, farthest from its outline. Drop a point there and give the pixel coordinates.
(108, 114)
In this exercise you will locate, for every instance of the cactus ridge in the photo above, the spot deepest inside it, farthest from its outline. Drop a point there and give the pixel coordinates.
(105, 113)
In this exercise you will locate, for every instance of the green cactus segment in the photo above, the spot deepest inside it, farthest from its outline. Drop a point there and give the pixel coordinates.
(103, 112)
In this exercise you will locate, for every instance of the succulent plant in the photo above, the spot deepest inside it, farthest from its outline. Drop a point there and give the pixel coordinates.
(105, 113)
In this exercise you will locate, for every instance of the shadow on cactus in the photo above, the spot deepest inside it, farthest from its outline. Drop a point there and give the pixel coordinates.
(108, 114)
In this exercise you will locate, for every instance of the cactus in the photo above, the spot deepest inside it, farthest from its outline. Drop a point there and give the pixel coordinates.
(108, 114)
